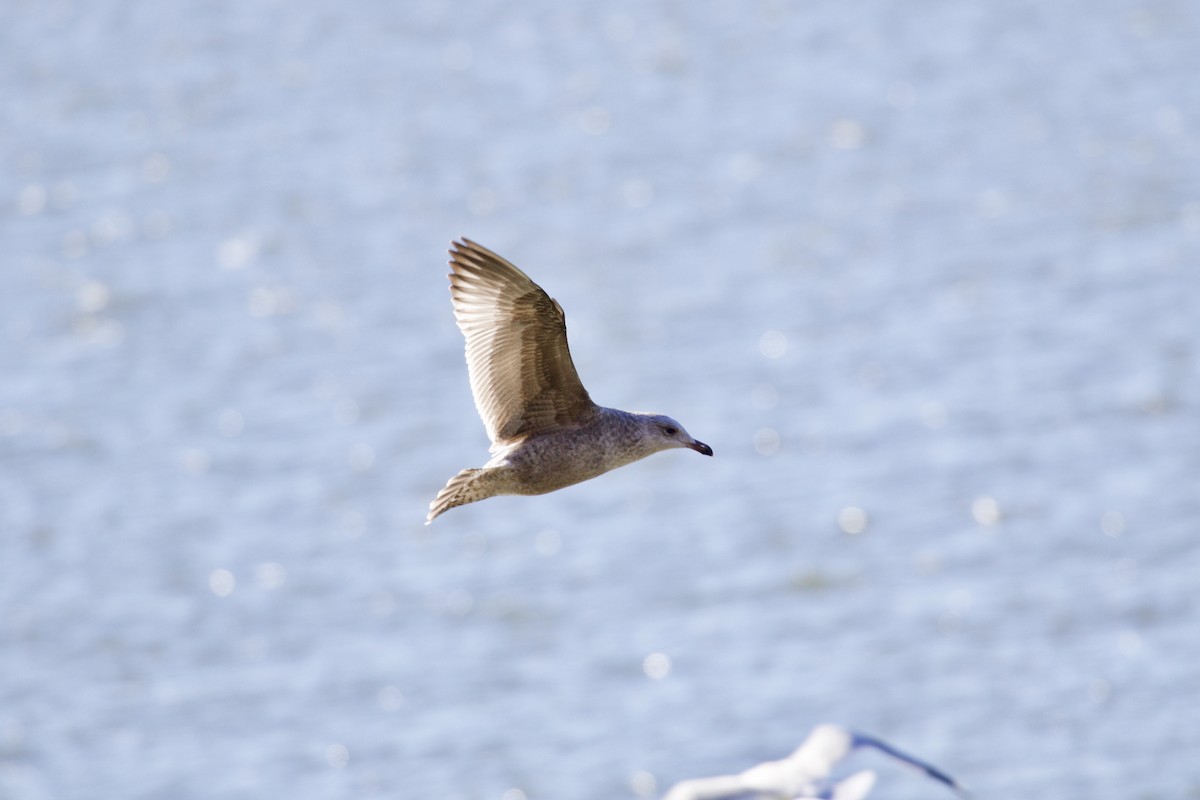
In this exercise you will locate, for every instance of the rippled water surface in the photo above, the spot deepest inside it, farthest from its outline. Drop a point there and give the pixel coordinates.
(923, 274)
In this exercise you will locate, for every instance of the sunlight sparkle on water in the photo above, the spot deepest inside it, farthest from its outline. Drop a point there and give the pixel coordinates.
(852, 520)
(773, 344)
(847, 134)
(766, 441)
(270, 575)
(337, 755)
(221, 582)
(985, 510)
(266, 301)
(92, 296)
(112, 227)
(643, 783)
(390, 698)
(656, 666)
(95, 329)
(345, 411)
(1112, 523)
(194, 461)
(745, 167)
(32, 200)
(237, 252)
(1129, 643)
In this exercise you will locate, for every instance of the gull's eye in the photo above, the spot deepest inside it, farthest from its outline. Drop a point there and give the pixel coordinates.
(669, 431)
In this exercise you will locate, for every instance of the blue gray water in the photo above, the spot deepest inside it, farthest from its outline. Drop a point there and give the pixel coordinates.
(923, 274)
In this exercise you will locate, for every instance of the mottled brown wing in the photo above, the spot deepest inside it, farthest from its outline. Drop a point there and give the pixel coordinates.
(521, 371)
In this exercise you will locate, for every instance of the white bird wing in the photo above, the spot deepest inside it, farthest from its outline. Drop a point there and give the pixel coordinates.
(521, 371)
(805, 772)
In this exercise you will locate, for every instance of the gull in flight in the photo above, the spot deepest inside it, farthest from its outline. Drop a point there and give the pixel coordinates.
(805, 773)
(546, 432)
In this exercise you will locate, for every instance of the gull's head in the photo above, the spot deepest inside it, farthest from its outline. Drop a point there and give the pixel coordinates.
(669, 433)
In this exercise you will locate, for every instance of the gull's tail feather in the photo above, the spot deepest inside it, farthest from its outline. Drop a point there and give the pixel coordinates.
(465, 487)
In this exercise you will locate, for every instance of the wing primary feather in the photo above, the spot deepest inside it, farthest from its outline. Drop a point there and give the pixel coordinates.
(522, 375)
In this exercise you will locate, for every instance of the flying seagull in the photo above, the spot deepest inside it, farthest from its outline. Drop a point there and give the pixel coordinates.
(806, 772)
(546, 432)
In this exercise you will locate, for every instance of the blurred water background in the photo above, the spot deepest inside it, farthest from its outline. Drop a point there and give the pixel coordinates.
(923, 274)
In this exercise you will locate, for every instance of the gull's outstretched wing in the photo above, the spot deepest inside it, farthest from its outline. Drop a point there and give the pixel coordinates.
(521, 371)
(862, 740)
(806, 772)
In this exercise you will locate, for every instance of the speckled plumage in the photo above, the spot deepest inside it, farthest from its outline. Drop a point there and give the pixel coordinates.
(546, 432)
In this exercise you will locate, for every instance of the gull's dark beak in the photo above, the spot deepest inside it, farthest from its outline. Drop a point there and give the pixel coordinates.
(701, 447)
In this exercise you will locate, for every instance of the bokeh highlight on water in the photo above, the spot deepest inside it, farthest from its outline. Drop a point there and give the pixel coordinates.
(924, 275)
